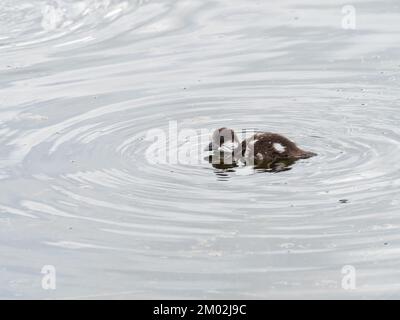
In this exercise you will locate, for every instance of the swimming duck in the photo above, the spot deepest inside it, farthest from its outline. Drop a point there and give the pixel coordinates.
(262, 149)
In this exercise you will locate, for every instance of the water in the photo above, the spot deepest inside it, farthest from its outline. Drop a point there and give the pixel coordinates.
(83, 82)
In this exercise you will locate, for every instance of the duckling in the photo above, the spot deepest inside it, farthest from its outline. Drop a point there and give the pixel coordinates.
(263, 149)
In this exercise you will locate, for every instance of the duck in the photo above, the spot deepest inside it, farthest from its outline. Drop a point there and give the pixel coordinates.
(262, 149)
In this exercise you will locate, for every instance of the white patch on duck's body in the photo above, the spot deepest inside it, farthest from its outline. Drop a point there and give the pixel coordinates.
(259, 157)
(279, 147)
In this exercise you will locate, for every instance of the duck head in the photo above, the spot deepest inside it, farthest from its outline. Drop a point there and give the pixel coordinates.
(224, 140)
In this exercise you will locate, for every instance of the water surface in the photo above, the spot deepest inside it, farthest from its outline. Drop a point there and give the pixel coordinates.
(83, 82)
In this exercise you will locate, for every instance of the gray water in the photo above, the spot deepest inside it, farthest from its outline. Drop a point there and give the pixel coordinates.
(83, 82)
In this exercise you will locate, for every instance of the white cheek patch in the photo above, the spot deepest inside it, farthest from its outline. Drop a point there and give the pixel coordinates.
(228, 147)
(278, 147)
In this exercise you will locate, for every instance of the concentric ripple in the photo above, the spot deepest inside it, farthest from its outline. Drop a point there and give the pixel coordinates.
(88, 85)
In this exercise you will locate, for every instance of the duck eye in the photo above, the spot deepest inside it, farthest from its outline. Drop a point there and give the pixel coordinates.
(279, 147)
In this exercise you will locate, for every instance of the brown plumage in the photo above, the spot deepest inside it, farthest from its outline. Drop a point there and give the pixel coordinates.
(266, 146)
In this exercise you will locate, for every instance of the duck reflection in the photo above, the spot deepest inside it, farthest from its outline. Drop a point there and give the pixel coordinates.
(228, 163)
